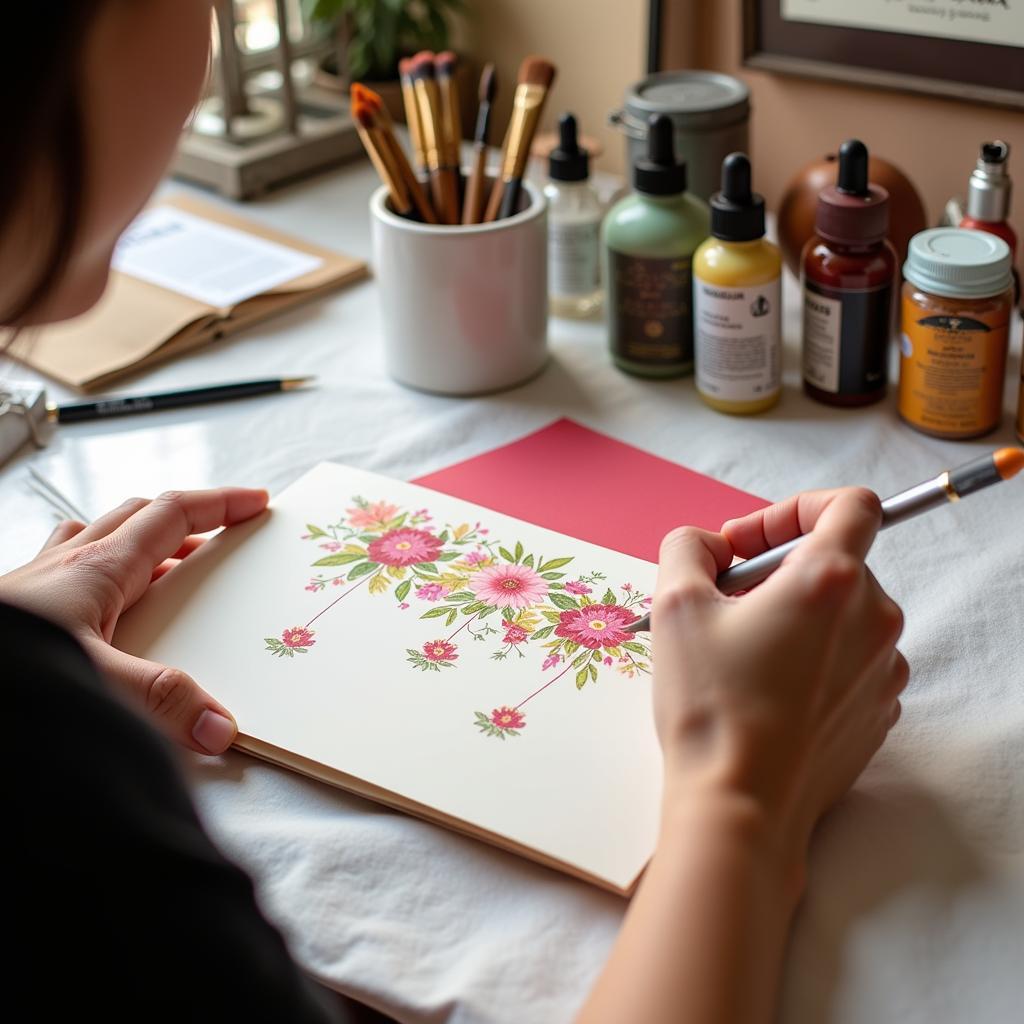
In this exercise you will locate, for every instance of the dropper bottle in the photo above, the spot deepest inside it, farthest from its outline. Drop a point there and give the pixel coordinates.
(649, 239)
(574, 227)
(737, 300)
(988, 195)
(848, 271)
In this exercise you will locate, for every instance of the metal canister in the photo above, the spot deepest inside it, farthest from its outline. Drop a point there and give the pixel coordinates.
(710, 112)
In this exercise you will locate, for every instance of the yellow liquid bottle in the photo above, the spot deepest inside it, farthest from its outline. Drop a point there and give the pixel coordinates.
(737, 301)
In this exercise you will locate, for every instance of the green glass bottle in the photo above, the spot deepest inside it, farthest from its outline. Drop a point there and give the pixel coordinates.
(649, 239)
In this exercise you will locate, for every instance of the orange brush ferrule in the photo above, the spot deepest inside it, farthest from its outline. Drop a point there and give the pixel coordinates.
(1008, 461)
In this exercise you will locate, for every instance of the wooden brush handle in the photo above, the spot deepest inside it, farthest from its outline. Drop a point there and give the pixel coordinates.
(444, 189)
(494, 202)
(473, 208)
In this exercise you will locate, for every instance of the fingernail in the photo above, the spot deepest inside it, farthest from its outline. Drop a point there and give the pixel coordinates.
(213, 732)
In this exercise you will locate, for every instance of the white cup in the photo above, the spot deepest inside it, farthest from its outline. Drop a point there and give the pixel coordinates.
(465, 308)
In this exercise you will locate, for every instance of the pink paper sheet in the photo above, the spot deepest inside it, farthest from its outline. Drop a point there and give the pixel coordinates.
(559, 478)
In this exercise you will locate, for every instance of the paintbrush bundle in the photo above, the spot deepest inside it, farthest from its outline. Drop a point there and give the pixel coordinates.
(434, 192)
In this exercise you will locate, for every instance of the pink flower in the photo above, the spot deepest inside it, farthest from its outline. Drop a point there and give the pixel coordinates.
(431, 591)
(404, 547)
(627, 587)
(373, 516)
(403, 606)
(550, 662)
(509, 586)
(331, 545)
(513, 634)
(578, 588)
(298, 636)
(440, 650)
(608, 660)
(508, 718)
(646, 602)
(596, 625)
(337, 581)
(477, 557)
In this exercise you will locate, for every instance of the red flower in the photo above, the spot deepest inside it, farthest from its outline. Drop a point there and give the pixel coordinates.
(440, 650)
(596, 625)
(513, 634)
(298, 636)
(404, 547)
(508, 718)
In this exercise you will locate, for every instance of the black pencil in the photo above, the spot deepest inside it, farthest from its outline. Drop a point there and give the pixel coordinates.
(103, 408)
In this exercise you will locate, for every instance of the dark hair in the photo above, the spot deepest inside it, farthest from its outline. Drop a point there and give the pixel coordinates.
(41, 80)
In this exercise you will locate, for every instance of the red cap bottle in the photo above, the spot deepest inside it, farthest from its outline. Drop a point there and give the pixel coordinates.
(848, 273)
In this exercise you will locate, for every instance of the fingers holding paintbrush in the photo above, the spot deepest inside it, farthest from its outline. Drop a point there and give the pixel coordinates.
(536, 76)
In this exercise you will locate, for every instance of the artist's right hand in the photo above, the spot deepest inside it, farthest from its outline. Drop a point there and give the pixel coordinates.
(779, 697)
(86, 577)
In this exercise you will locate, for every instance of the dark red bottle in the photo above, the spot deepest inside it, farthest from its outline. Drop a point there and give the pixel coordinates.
(848, 276)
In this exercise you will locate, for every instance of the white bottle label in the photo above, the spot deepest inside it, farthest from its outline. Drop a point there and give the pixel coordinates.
(738, 340)
(573, 247)
(823, 318)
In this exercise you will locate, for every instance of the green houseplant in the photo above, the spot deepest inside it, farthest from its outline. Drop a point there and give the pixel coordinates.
(375, 34)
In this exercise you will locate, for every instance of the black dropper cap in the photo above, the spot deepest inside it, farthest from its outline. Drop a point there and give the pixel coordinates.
(659, 174)
(567, 161)
(853, 168)
(737, 214)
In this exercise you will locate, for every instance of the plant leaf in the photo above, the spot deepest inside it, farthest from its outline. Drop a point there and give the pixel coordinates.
(402, 590)
(528, 561)
(519, 550)
(581, 678)
(362, 570)
(425, 567)
(506, 554)
(379, 584)
(542, 633)
(436, 613)
(315, 531)
(563, 601)
(634, 647)
(554, 563)
(339, 559)
(592, 668)
(608, 597)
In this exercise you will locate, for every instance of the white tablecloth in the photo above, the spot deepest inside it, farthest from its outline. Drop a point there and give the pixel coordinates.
(915, 909)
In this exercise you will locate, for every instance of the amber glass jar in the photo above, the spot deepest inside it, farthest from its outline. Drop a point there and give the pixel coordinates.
(955, 319)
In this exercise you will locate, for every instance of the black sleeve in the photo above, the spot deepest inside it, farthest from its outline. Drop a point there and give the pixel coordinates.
(125, 910)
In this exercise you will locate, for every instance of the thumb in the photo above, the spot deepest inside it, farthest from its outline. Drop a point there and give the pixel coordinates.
(180, 707)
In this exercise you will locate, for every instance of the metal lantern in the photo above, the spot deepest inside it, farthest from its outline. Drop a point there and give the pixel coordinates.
(266, 118)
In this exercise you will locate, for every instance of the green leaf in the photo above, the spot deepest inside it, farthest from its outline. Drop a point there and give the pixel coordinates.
(508, 613)
(528, 561)
(563, 601)
(552, 575)
(402, 590)
(425, 567)
(571, 646)
(315, 531)
(634, 647)
(460, 596)
(608, 597)
(472, 609)
(593, 672)
(519, 550)
(436, 613)
(443, 537)
(397, 522)
(596, 656)
(581, 659)
(554, 617)
(489, 610)
(554, 563)
(581, 678)
(339, 559)
(448, 556)
(506, 554)
(362, 570)
(452, 616)
(542, 633)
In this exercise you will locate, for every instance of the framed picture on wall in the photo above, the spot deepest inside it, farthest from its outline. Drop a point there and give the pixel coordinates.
(965, 49)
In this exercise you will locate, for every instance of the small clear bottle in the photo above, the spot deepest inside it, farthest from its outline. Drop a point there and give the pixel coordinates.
(574, 228)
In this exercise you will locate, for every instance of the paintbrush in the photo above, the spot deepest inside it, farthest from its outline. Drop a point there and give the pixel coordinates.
(382, 157)
(445, 65)
(412, 113)
(476, 187)
(444, 188)
(534, 83)
(383, 123)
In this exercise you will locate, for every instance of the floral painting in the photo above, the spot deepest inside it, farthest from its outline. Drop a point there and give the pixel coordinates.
(477, 590)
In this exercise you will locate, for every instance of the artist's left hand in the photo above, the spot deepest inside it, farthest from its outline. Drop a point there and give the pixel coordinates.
(86, 577)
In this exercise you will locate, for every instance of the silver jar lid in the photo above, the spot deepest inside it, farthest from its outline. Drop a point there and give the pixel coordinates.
(693, 99)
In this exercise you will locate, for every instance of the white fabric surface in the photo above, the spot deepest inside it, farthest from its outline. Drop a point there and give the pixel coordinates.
(915, 908)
